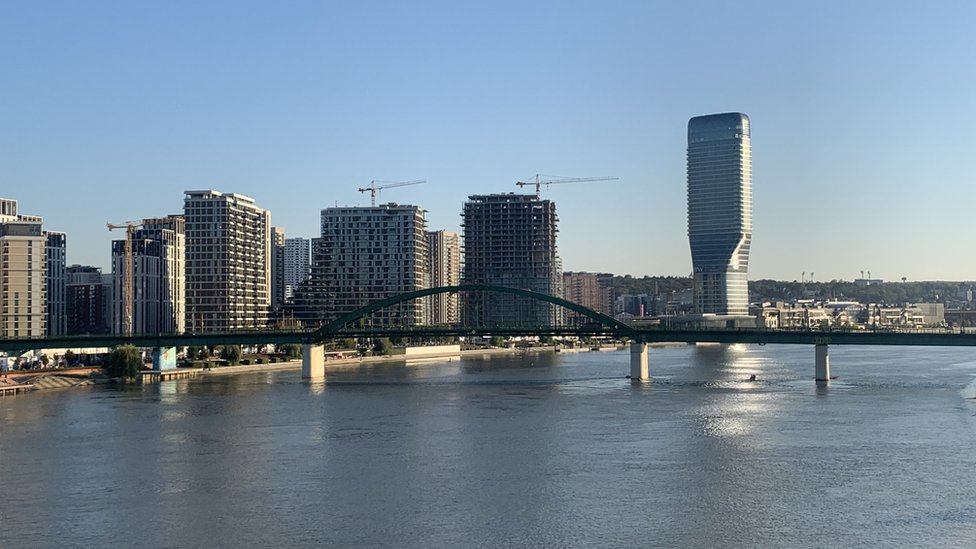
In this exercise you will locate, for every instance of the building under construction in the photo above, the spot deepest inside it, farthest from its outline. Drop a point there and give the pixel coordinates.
(510, 240)
(158, 281)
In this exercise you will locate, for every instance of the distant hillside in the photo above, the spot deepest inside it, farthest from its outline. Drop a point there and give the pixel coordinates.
(650, 285)
(778, 290)
(886, 292)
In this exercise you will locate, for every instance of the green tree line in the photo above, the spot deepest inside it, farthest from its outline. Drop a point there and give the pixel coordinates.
(885, 292)
(780, 290)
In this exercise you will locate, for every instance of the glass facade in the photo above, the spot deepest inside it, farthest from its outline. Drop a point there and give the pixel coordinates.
(720, 211)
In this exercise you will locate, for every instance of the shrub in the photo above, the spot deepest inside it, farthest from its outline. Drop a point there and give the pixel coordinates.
(382, 346)
(125, 361)
(291, 351)
(231, 353)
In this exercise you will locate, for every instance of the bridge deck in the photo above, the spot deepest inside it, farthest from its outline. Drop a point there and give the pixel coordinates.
(776, 337)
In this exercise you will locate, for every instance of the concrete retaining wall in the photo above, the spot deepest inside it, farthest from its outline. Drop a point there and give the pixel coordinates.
(433, 350)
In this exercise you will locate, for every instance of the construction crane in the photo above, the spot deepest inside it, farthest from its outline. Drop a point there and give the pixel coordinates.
(389, 185)
(130, 230)
(554, 179)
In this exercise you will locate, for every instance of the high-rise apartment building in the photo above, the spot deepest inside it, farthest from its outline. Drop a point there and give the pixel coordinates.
(298, 264)
(277, 268)
(228, 261)
(23, 273)
(56, 251)
(371, 253)
(444, 268)
(591, 290)
(158, 282)
(86, 301)
(312, 300)
(510, 240)
(720, 211)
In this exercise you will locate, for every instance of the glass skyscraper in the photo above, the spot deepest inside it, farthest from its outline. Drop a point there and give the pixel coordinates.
(720, 211)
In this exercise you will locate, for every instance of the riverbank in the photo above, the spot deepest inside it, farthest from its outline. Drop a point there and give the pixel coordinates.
(342, 363)
(68, 379)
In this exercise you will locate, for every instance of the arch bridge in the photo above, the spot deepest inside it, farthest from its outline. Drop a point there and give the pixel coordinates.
(600, 324)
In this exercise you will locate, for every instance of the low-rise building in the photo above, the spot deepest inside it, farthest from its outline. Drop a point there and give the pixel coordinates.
(591, 290)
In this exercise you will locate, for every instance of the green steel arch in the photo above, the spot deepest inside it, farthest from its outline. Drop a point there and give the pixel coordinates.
(333, 327)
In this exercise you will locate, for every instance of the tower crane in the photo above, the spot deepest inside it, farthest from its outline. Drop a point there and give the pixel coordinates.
(130, 230)
(554, 179)
(388, 185)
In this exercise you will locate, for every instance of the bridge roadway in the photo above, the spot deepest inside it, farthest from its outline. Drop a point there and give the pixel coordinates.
(314, 365)
(646, 335)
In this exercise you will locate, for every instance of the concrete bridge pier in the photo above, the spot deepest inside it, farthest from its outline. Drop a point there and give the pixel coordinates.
(313, 362)
(164, 358)
(822, 363)
(638, 361)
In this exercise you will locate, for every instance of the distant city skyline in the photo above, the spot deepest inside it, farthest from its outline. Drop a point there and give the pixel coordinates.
(111, 110)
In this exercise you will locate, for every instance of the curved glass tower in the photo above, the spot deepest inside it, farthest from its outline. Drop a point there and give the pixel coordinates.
(720, 211)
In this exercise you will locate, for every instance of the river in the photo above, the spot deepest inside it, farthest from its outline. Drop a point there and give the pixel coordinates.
(536, 450)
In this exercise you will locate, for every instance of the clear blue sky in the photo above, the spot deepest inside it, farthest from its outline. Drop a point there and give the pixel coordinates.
(862, 117)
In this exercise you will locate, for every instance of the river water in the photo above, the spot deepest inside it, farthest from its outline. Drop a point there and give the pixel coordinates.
(537, 450)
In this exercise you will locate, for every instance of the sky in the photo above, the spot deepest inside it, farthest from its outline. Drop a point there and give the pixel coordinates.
(862, 116)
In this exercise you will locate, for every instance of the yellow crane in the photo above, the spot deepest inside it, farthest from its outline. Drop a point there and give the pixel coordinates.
(388, 185)
(555, 179)
(130, 230)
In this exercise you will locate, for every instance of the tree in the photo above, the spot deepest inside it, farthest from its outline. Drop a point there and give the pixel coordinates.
(45, 360)
(69, 357)
(125, 361)
(382, 346)
(497, 341)
(231, 353)
(346, 343)
(291, 351)
(196, 353)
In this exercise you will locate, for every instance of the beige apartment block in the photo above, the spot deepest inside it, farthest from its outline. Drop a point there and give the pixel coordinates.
(591, 290)
(23, 264)
(444, 266)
